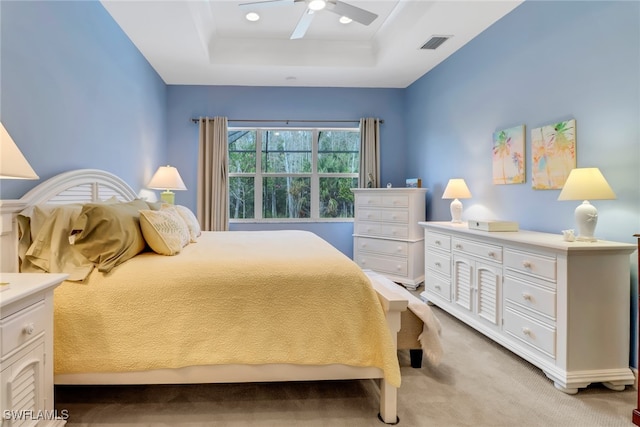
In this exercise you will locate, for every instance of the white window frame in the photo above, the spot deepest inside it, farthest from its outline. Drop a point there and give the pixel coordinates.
(314, 175)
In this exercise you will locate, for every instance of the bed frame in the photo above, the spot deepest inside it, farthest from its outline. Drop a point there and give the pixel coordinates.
(91, 185)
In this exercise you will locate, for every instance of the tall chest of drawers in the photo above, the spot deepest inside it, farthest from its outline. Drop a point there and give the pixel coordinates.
(562, 306)
(387, 237)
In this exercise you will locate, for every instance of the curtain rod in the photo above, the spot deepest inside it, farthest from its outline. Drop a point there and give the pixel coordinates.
(289, 121)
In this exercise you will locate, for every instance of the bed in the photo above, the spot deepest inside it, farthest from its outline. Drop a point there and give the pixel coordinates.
(162, 319)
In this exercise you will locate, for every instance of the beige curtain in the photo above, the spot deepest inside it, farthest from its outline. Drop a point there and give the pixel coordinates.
(369, 152)
(213, 189)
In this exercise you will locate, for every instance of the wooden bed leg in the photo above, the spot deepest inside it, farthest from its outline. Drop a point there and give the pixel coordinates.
(416, 357)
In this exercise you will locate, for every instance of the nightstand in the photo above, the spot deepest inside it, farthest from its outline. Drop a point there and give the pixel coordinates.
(26, 350)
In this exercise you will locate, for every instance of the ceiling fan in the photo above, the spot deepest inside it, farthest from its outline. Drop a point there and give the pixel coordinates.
(357, 14)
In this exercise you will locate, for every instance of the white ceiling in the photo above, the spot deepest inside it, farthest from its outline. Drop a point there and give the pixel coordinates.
(209, 42)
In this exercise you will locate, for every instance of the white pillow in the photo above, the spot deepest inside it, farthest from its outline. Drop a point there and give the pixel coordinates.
(164, 231)
(192, 222)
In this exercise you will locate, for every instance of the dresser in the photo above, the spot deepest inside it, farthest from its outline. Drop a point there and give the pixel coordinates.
(562, 306)
(386, 235)
(26, 350)
(636, 411)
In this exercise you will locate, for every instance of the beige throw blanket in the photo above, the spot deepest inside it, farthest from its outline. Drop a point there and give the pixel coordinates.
(230, 298)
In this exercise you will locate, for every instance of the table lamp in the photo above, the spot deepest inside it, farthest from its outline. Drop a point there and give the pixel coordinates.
(13, 165)
(583, 184)
(167, 178)
(456, 189)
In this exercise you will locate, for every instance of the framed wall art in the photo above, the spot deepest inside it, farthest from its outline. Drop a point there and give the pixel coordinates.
(553, 154)
(508, 156)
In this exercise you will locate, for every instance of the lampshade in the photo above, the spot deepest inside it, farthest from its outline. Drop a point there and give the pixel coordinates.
(583, 184)
(586, 183)
(167, 178)
(13, 165)
(456, 189)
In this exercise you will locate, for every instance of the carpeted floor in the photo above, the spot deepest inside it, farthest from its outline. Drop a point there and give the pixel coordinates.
(478, 384)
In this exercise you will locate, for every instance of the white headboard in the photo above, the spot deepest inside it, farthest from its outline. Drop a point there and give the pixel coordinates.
(78, 186)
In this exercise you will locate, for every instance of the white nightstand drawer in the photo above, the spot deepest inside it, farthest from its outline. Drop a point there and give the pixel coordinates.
(532, 297)
(438, 262)
(483, 250)
(391, 247)
(21, 327)
(539, 336)
(532, 264)
(384, 264)
(436, 240)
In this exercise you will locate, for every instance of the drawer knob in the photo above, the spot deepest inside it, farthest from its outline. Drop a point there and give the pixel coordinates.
(492, 254)
(458, 246)
(29, 328)
(399, 248)
(438, 264)
(438, 243)
(527, 264)
(526, 331)
(438, 287)
(526, 296)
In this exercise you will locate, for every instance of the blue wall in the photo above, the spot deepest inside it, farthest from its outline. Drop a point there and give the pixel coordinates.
(76, 93)
(544, 62)
(272, 103)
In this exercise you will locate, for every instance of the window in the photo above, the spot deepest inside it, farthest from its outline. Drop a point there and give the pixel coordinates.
(285, 174)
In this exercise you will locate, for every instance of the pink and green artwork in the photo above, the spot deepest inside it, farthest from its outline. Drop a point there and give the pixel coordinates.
(553, 151)
(508, 156)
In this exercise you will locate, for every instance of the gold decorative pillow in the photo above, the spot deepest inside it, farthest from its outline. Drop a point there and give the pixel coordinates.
(192, 222)
(164, 230)
(109, 234)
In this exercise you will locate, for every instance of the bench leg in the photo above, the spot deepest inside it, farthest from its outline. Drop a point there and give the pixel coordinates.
(416, 358)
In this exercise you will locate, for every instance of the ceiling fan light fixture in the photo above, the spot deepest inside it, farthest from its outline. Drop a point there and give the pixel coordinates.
(252, 16)
(317, 4)
(345, 20)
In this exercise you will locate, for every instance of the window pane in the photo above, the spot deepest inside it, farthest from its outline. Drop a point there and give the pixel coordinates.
(242, 151)
(336, 197)
(338, 151)
(286, 151)
(241, 197)
(286, 197)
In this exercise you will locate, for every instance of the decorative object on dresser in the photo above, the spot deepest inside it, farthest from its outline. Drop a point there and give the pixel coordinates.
(562, 306)
(456, 189)
(26, 350)
(167, 178)
(583, 184)
(636, 411)
(386, 235)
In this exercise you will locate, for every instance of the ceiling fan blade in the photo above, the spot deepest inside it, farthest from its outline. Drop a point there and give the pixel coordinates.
(265, 4)
(357, 14)
(303, 25)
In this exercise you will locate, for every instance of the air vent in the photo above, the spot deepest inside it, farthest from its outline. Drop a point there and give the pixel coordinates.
(434, 42)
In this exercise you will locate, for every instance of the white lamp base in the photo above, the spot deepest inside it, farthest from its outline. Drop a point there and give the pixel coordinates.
(586, 219)
(456, 211)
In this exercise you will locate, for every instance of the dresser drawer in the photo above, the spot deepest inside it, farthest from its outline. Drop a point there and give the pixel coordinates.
(395, 201)
(369, 200)
(368, 215)
(395, 231)
(381, 263)
(437, 285)
(367, 228)
(537, 335)
(393, 215)
(22, 326)
(390, 247)
(532, 264)
(534, 298)
(438, 262)
(491, 252)
(436, 240)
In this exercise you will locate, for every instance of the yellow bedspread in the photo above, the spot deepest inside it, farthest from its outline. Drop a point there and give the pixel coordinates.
(252, 297)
